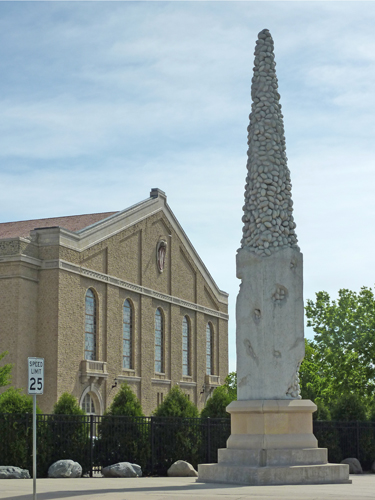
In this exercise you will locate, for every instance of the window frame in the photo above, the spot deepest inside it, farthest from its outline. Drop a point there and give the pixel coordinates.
(210, 345)
(186, 366)
(88, 315)
(131, 336)
(159, 363)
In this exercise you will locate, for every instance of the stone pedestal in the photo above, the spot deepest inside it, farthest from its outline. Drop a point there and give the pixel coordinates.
(272, 442)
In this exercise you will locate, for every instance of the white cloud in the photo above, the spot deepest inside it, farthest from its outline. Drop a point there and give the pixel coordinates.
(99, 102)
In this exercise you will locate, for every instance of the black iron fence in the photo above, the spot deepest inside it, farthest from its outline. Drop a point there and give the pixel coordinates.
(154, 443)
(94, 441)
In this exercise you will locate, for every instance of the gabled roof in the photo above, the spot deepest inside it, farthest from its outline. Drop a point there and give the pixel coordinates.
(80, 232)
(71, 223)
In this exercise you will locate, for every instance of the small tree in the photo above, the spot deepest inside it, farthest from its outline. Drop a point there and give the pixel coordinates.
(5, 371)
(67, 404)
(176, 404)
(125, 403)
(14, 401)
(16, 427)
(217, 403)
(183, 429)
(123, 431)
(231, 384)
(69, 440)
(349, 408)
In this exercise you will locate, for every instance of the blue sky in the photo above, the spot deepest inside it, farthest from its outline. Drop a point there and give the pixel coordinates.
(101, 101)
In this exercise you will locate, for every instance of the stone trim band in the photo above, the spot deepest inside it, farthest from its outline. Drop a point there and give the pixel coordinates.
(106, 278)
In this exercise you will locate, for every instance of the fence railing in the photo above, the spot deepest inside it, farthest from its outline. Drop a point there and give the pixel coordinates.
(94, 441)
(154, 443)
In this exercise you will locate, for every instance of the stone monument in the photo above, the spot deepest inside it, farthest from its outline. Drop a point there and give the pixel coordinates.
(271, 440)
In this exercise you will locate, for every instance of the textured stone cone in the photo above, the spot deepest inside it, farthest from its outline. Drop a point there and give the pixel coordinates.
(268, 219)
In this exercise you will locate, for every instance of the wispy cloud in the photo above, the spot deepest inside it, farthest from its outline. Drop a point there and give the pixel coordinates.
(100, 101)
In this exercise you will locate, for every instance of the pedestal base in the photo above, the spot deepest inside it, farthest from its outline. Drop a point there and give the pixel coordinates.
(272, 443)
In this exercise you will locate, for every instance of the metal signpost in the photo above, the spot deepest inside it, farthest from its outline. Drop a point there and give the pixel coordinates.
(35, 386)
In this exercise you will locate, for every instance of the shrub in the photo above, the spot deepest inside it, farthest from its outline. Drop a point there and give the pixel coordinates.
(14, 401)
(67, 404)
(348, 408)
(125, 403)
(123, 431)
(5, 371)
(176, 404)
(16, 428)
(217, 403)
(65, 435)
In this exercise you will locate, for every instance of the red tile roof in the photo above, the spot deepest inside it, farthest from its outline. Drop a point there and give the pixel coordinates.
(72, 223)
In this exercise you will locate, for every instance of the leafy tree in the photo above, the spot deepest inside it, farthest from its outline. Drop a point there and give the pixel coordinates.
(184, 443)
(344, 342)
(5, 371)
(125, 403)
(349, 408)
(65, 441)
(123, 431)
(14, 401)
(217, 403)
(16, 430)
(231, 384)
(67, 404)
(176, 404)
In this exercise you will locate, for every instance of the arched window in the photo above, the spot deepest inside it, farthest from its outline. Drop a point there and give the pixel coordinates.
(90, 326)
(209, 349)
(159, 337)
(185, 346)
(127, 335)
(88, 404)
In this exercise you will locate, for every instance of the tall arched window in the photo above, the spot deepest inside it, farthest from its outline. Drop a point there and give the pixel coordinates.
(209, 349)
(88, 404)
(185, 346)
(159, 334)
(127, 334)
(90, 326)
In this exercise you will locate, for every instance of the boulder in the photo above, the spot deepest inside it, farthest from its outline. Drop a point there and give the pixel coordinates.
(122, 469)
(65, 468)
(9, 472)
(354, 465)
(182, 469)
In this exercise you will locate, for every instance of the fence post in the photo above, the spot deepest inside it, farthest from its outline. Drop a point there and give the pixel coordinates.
(208, 440)
(91, 444)
(152, 443)
(358, 457)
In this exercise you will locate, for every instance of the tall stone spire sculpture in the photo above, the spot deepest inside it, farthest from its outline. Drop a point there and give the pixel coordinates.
(271, 439)
(270, 340)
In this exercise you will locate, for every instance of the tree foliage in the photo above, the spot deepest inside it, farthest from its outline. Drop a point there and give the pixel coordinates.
(176, 404)
(125, 403)
(344, 344)
(217, 403)
(15, 401)
(67, 404)
(231, 384)
(5, 371)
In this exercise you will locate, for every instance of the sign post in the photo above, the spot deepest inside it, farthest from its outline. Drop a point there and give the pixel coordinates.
(35, 386)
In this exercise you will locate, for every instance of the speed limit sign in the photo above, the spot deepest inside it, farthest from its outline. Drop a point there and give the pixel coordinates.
(36, 375)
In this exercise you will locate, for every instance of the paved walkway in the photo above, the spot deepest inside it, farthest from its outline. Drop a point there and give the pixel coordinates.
(164, 488)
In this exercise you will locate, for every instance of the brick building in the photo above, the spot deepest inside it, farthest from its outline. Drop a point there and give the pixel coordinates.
(111, 297)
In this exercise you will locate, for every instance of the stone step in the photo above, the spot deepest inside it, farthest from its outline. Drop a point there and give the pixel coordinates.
(257, 476)
(262, 458)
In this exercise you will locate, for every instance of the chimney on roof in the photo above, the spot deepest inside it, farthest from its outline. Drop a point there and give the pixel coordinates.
(156, 192)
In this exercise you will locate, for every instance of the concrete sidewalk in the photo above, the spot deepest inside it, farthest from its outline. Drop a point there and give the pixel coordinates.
(161, 488)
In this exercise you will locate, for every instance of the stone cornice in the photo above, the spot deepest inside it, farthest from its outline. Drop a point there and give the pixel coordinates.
(142, 290)
(26, 259)
(107, 228)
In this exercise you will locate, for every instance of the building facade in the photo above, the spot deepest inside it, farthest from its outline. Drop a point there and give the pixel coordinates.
(110, 298)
